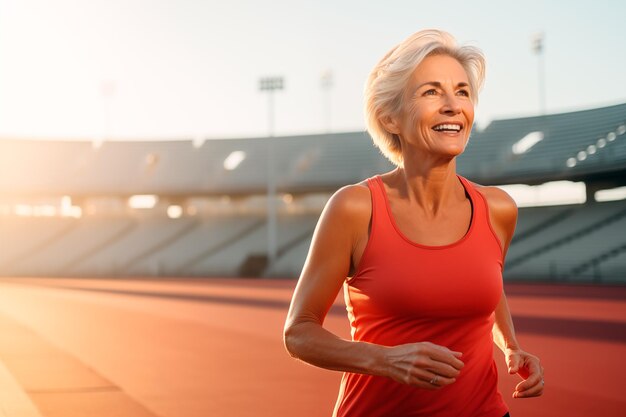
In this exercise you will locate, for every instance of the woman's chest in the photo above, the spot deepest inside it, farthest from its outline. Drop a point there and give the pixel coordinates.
(438, 283)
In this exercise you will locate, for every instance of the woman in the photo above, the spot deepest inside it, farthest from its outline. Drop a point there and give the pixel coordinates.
(423, 249)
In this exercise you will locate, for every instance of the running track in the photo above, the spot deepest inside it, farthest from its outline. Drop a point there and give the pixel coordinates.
(213, 347)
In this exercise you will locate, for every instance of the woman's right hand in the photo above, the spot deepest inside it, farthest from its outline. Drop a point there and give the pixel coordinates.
(423, 365)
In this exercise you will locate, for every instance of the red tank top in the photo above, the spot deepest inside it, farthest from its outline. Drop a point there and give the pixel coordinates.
(405, 292)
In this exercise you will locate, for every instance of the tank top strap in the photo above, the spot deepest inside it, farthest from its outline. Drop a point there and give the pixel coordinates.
(483, 229)
(479, 206)
(381, 223)
(478, 203)
(384, 231)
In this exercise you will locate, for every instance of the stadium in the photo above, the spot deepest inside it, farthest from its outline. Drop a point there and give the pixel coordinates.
(199, 209)
(168, 178)
(134, 272)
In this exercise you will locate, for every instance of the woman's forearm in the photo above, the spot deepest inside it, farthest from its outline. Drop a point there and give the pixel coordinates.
(311, 343)
(503, 330)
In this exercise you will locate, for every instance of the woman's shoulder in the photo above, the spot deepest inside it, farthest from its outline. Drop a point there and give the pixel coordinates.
(351, 200)
(502, 208)
(497, 199)
(344, 220)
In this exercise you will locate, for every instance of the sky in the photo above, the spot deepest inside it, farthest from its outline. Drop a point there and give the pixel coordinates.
(190, 69)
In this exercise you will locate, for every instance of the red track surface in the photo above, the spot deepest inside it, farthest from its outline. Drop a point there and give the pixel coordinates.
(198, 348)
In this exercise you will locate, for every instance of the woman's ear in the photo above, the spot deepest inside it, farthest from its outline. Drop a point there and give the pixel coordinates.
(391, 124)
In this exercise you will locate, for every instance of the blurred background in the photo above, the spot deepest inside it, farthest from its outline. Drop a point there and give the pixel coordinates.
(156, 156)
(196, 138)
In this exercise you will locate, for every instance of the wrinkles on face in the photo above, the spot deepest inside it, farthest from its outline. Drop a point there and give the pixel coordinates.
(439, 92)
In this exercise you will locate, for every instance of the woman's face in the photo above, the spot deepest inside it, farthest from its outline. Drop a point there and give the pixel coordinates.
(438, 110)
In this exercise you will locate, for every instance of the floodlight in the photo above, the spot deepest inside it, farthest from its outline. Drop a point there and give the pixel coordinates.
(612, 194)
(233, 160)
(174, 211)
(142, 201)
(527, 142)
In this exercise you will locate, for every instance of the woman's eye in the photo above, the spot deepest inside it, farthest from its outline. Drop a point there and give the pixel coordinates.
(464, 93)
(430, 92)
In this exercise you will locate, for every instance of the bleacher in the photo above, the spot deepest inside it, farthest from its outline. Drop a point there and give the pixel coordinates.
(175, 168)
(156, 246)
(489, 156)
(582, 243)
(573, 246)
(306, 163)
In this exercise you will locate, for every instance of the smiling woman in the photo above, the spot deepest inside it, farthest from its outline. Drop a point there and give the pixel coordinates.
(393, 81)
(419, 252)
(437, 116)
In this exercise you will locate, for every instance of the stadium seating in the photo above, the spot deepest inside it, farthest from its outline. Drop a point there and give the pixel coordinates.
(290, 263)
(139, 241)
(229, 259)
(563, 249)
(23, 237)
(576, 242)
(307, 163)
(489, 156)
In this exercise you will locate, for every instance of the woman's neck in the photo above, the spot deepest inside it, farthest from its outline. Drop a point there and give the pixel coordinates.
(431, 188)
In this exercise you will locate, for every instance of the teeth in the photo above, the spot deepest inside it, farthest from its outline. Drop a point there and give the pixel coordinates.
(456, 128)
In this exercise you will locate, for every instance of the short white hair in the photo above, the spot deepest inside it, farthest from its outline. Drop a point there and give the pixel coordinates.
(386, 84)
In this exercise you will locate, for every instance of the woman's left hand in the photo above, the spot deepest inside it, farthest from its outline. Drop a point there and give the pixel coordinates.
(529, 368)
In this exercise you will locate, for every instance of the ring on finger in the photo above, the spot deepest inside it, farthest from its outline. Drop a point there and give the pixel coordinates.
(434, 380)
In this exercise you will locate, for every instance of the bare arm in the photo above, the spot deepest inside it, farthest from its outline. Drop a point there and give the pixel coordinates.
(341, 224)
(326, 267)
(503, 330)
(503, 216)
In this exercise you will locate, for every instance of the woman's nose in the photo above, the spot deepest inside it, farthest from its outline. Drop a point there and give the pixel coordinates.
(451, 105)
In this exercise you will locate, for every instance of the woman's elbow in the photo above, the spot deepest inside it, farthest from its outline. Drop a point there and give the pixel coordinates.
(294, 338)
(290, 339)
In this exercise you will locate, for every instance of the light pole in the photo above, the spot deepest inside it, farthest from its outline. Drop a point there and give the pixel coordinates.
(537, 46)
(271, 84)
